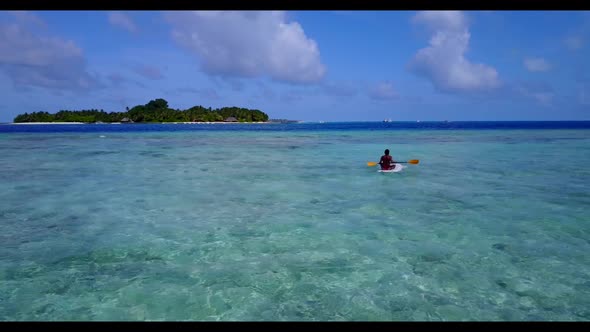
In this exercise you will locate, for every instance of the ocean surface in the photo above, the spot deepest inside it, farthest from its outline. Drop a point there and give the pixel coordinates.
(287, 222)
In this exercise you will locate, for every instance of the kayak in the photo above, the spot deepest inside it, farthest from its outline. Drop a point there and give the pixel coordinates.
(396, 168)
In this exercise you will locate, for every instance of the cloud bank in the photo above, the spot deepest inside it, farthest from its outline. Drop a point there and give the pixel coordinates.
(248, 44)
(444, 62)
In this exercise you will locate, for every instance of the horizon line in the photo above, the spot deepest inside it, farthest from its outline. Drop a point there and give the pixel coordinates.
(336, 121)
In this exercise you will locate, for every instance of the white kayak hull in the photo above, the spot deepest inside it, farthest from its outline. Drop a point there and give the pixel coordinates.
(396, 169)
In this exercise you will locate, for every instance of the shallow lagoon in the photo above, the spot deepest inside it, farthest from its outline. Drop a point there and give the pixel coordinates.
(252, 224)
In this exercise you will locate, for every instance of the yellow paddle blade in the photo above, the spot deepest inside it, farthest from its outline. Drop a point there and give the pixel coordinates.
(413, 161)
(371, 163)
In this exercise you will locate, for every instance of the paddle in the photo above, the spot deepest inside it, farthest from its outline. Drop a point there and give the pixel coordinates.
(413, 161)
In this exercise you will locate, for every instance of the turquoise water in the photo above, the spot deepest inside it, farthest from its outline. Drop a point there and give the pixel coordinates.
(491, 225)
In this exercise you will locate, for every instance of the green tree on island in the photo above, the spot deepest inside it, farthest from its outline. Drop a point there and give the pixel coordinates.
(155, 111)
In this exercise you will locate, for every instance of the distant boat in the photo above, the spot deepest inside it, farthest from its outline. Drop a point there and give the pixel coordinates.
(387, 120)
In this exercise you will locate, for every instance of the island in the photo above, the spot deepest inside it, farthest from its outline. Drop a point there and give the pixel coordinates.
(156, 111)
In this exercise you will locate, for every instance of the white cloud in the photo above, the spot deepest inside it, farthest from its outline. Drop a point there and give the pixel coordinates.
(444, 62)
(249, 44)
(27, 18)
(383, 91)
(536, 64)
(448, 20)
(123, 21)
(543, 98)
(574, 42)
(542, 93)
(31, 58)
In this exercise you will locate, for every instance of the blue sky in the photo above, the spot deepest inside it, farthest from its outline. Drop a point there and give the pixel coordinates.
(304, 65)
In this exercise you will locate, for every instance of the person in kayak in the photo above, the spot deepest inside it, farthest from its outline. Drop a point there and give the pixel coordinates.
(386, 161)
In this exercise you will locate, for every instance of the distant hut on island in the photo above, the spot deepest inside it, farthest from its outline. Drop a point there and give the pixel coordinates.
(126, 120)
(231, 119)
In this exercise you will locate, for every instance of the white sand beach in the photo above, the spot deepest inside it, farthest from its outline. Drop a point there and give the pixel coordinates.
(44, 123)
